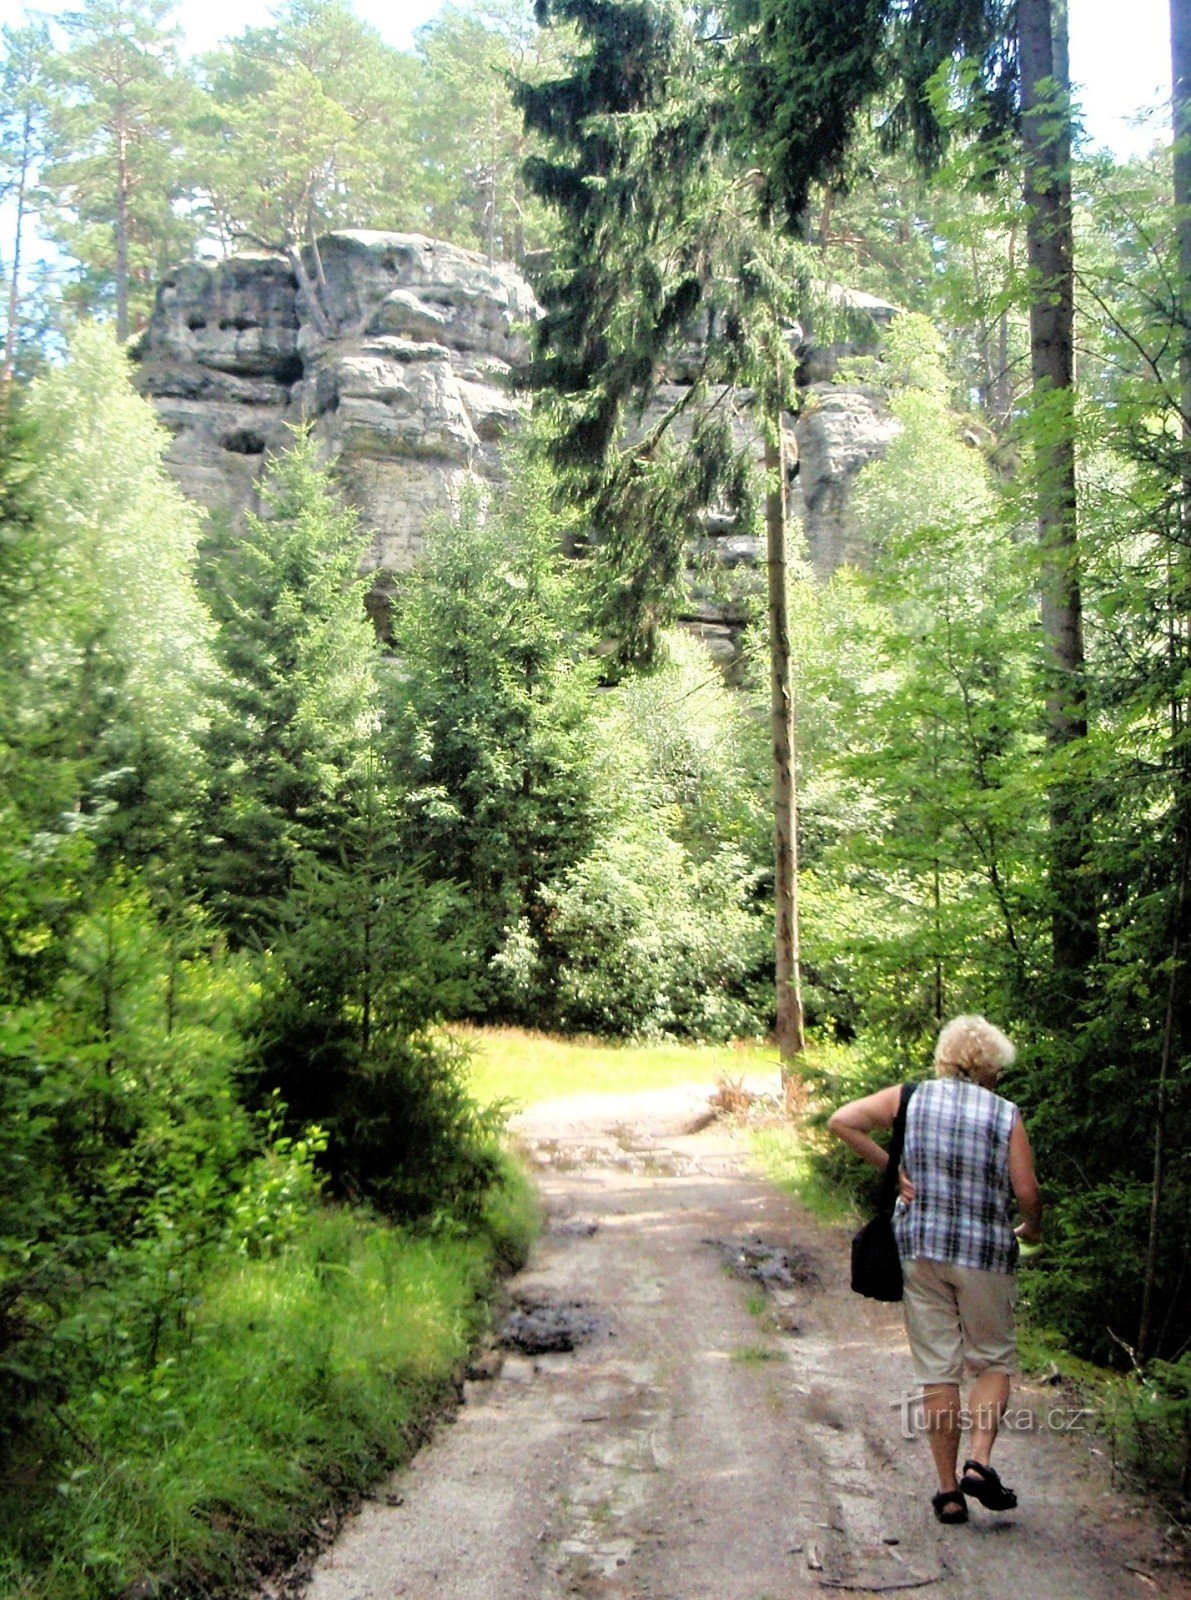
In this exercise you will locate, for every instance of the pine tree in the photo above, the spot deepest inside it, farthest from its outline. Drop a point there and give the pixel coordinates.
(470, 139)
(115, 170)
(299, 692)
(24, 109)
(306, 130)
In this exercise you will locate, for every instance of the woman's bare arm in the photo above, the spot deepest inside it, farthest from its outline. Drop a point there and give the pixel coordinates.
(1025, 1185)
(854, 1122)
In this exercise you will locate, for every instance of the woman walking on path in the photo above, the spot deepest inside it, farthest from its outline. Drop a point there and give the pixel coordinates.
(966, 1158)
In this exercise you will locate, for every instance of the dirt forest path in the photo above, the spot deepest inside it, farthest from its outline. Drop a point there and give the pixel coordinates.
(711, 1441)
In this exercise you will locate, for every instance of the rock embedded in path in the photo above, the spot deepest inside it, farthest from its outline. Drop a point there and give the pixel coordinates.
(772, 1266)
(545, 1327)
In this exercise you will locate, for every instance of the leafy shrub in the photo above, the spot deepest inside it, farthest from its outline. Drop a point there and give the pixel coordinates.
(653, 943)
(661, 926)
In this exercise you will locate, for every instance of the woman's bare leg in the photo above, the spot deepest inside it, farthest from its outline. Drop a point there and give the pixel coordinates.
(940, 1409)
(986, 1403)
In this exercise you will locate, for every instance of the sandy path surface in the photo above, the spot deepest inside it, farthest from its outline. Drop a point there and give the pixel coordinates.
(711, 1442)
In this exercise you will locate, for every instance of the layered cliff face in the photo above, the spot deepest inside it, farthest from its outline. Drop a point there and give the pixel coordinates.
(409, 397)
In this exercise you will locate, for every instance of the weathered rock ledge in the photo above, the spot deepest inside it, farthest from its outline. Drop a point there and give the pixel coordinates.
(409, 398)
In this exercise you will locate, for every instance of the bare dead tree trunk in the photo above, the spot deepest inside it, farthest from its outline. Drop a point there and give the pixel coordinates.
(791, 1038)
(1046, 136)
(122, 232)
(14, 282)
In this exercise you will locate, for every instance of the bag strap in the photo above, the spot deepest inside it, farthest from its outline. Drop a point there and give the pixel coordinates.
(896, 1146)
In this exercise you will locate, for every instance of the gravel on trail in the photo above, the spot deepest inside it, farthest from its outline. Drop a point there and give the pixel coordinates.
(712, 1415)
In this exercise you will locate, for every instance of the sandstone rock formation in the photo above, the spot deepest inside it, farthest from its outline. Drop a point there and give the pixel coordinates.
(839, 431)
(409, 398)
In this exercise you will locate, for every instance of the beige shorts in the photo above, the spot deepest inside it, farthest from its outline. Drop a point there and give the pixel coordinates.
(957, 1314)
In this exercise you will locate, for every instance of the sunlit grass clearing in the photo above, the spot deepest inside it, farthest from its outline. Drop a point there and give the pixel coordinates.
(514, 1064)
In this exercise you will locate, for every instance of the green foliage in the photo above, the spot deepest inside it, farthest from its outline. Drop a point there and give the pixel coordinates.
(661, 927)
(305, 129)
(469, 137)
(115, 174)
(923, 821)
(1148, 1415)
(124, 1139)
(362, 970)
(491, 719)
(299, 1373)
(298, 702)
(802, 69)
(112, 656)
(664, 268)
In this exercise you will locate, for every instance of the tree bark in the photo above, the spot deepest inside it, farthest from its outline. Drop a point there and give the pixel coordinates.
(14, 282)
(121, 233)
(791, 1038)
(1046, 136)
(1180, 62)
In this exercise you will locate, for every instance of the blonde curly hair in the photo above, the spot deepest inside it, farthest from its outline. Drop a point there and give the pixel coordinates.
(973, 1049)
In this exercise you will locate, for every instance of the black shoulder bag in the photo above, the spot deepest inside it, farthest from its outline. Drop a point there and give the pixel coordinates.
(876, 1265)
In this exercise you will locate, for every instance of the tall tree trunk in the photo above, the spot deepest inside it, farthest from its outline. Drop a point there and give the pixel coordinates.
(1180, 61)
(122, 233)
(1046, 135)
(790, 1035)
(14, 282)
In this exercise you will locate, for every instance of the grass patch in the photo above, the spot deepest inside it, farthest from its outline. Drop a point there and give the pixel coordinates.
(787, 1159)
(514, 1064)
(755, 1355)
(296, 1379)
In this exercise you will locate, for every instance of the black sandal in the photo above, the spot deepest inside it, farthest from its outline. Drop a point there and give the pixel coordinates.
(949, 1506)
(987, 1487)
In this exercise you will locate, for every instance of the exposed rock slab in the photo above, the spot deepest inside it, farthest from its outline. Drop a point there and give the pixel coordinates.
(408, 398)
(840, 431)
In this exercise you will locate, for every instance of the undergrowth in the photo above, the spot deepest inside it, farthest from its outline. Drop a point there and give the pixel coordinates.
(293, 1380)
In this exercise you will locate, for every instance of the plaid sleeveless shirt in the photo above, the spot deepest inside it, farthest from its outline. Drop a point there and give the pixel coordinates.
(957, 1158)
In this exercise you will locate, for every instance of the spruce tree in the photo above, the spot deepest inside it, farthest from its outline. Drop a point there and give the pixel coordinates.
(661, 271)
(299, 694)
(491, 718)
(111, 649)
(667, 268)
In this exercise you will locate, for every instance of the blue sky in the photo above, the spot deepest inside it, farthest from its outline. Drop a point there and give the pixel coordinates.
(1120, 57)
